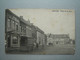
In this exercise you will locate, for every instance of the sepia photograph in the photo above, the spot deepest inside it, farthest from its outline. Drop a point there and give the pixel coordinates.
(40, 31)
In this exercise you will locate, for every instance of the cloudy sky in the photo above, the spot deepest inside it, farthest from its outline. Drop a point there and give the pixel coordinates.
(50, 20)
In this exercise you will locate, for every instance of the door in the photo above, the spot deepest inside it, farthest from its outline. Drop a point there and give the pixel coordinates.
(9, 41)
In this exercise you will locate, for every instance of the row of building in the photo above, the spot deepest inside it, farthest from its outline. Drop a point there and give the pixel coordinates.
(53, 39)
(20, 33)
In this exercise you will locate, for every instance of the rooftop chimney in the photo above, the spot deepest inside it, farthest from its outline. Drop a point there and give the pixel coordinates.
(21, 17)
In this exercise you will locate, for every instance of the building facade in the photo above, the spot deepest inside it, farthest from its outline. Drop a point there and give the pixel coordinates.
(34, 32)
(58, 39)
(26, 32)
(12, 29)
(22, 34)
(41, 38)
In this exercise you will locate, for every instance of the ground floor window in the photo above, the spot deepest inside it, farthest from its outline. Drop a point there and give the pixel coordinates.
(15, 40)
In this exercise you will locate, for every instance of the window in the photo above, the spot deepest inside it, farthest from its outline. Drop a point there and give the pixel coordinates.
(21, 28)
(13, 24)
(9, 16)
(16, 26)
(9, 23)
(24, 30)
(15, 40)
(13, 18)
(28, 27)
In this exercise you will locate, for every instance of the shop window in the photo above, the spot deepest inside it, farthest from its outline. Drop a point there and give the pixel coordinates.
(15, 40)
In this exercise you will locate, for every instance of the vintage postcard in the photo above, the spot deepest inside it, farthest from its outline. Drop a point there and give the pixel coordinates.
(40, 31)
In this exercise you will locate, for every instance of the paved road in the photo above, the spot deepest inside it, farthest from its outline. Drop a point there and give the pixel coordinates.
(51, 50)
(57, 49)
(60, 49)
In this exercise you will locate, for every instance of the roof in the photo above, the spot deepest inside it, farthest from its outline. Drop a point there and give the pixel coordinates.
(7, 10)
(59, 35)
(39, 30)
(20, 18)
(24, 21)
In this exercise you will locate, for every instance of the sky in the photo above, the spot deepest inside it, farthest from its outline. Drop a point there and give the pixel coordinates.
(54, 21)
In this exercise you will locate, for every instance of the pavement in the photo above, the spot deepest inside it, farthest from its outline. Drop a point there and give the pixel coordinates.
(60, 50)
(67, 49)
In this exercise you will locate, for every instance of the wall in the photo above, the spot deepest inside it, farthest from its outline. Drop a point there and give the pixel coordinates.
(12, 29)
